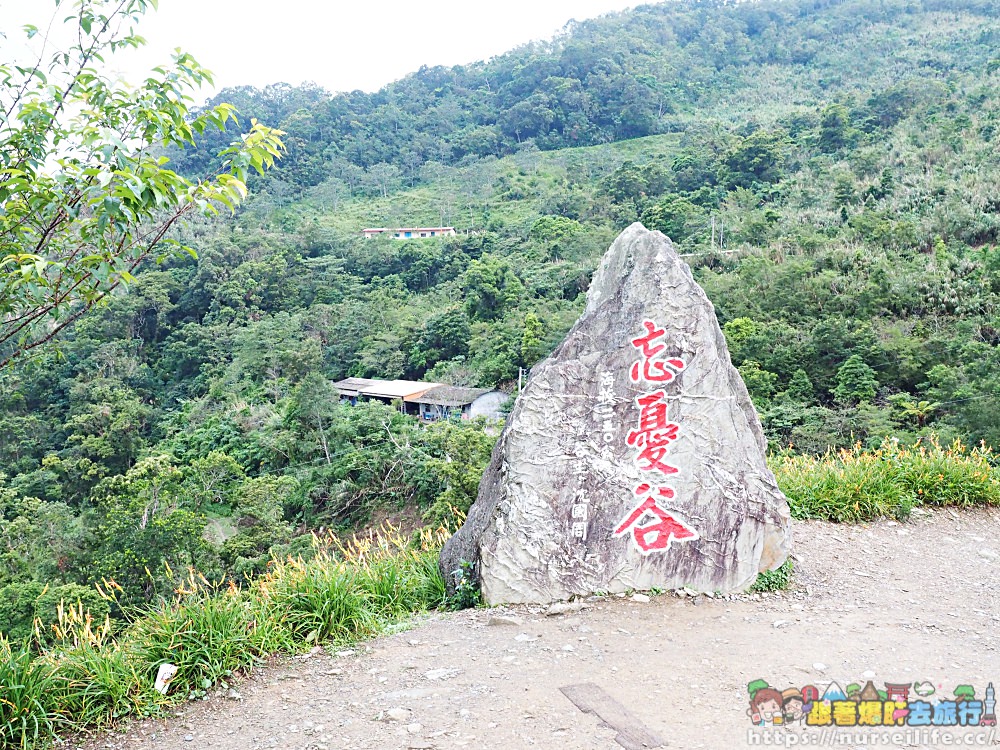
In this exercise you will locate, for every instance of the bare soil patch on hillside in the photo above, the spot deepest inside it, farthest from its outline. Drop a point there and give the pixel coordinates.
(892, 602)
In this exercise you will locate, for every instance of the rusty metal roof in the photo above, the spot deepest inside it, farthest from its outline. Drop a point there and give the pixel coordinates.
(448, 395)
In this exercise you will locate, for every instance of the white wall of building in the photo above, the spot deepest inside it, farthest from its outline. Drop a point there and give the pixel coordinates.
(488, 405)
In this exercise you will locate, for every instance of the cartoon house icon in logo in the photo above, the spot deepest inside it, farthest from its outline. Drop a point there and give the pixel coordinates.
(896, 692)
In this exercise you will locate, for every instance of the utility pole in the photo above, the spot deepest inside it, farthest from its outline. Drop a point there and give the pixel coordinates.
(519, 371)
(713, 231)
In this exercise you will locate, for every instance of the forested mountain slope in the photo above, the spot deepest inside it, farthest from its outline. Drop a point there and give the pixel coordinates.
(657, 69)
(828, 168)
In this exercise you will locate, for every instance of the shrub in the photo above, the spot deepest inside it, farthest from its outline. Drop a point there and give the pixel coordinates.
(467, 593)
(857, 485)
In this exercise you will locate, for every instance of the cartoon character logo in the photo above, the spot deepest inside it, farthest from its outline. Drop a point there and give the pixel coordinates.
(865, 705)
(765, 704)
(792, 705)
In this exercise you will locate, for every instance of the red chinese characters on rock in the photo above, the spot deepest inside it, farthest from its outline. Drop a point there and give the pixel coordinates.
(654, 435)
(656, 535)
(653, 528)
(649, 369)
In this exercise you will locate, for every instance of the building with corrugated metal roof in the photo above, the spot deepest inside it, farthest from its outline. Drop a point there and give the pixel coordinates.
(429, 401)
(469, 403)
(387, 391)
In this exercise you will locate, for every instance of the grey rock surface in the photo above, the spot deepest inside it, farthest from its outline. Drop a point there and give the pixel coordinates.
(633, 458)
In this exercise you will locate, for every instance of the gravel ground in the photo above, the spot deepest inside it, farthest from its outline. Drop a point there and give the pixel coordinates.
(888, 601)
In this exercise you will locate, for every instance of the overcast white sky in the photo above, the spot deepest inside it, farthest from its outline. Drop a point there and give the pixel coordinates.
(361, 44)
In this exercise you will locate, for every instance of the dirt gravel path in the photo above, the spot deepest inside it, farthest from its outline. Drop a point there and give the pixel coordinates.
(892, 602)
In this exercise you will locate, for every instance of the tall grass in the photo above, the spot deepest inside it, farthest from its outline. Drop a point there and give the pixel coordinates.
(26, 706)
(857, 485)
(93, 677)
(90, 677)
(356, 589)
(208, 635)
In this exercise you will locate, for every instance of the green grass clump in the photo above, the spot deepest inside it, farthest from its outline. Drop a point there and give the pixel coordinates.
(319, 603)
(209, 635)
(93, 684)
(778, 579)
(26, 715)
(88, 676)
(349, 592)
(857, 485)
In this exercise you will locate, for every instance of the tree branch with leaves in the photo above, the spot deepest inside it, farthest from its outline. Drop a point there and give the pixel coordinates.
(86, 196)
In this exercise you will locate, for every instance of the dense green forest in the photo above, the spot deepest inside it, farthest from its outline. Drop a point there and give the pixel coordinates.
(827, 168)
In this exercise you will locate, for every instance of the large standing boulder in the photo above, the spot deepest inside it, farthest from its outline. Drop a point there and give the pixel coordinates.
(633, 458)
